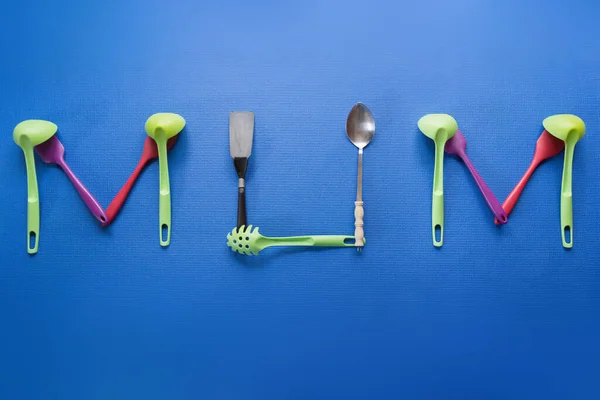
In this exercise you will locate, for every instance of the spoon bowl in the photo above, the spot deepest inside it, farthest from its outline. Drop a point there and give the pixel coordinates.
(360, 126)
(162, 127)
(169, 124)
(569, 128)
(439, 128)
(566, 127)
(26, 135)
(33, 132)
(360, 129)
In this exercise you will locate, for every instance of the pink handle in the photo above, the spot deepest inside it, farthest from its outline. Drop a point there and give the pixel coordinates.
(491, 200)
(89, 200)
(512, 198)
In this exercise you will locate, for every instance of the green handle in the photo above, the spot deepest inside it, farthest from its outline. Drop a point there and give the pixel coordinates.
(437, 203)
(165, 194)
(320, 240)
(33, 203)
(566, 198)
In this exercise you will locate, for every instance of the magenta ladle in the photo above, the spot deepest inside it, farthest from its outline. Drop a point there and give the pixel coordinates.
(457, 145)
(53, 152)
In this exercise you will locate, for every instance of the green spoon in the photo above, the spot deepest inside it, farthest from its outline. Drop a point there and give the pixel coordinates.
(244, 240)
(28, 134)
(440, 128)
(161, 127)
(569, 128)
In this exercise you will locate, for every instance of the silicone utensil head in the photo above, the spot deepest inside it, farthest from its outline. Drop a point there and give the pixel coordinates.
(438, 126)
(567, 127)
(244, 240)
(33, 132)
(51, 150)
(547, 146)
(169, 124)
(457, 144)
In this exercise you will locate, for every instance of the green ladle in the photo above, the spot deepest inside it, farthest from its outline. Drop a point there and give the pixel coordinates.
(440, 128)
(28, 134)
(569, 128)
(161, 127)
(244, 240)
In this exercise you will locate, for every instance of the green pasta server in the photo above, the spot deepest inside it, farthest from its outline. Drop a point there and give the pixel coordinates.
(244, 240)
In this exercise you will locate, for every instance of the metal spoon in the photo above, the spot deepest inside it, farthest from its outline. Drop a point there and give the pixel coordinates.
(28, 134)
(360, 128)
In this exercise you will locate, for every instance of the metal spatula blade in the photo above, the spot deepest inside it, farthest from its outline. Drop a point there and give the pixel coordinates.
(241, 131)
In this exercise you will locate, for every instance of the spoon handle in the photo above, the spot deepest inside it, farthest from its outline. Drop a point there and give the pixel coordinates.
(33, 204)
(117, 203)
(89, 200)
(359, 211)
(165, 195)
(491, 200)
(241, 216)
(437, 202)
(566, 199)
(317, 240)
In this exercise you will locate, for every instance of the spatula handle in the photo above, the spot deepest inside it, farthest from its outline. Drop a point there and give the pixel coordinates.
(89, 200)
(241, 216)
(117, 203)
(317, 240)
(437, 202)
(487, 193)
(33, 204)
(511, 199)
(566, 198)
(165, 195)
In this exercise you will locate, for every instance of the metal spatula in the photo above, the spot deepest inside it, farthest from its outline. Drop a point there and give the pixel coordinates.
(241, 131)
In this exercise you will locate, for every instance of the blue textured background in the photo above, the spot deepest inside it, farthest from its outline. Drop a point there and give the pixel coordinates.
(497, 313)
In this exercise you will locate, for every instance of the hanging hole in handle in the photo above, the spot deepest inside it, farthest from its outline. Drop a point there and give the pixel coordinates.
(438, 233)
(349, 241)
(504, 219)
(567, 234)
(164, 233)
(102, 219)
(32, 240)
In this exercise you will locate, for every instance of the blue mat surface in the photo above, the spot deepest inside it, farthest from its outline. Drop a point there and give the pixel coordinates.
(496, 313)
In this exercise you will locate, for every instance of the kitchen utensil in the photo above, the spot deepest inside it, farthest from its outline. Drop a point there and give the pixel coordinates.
(28, 134)
(161, 127)
(457, 145)
(547, 146)
(241, 132)
(52, 151)
(244, 240)
(360, 129)
(439, 128)
(569, 128)
(149, 153)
